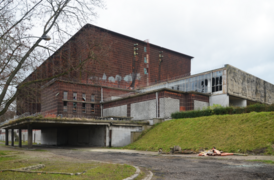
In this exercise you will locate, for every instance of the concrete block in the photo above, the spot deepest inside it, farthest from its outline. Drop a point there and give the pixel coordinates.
(222, 100)
(121, 136)
(116, 111)
(199, 105)
(143, 110)
(168, 106)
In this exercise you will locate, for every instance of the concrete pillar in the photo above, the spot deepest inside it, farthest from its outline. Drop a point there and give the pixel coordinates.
(20, 138)
(12, 137)
(29, 136)
(7, 137)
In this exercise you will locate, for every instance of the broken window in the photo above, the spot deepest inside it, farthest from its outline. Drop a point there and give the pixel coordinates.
(83, 108)
(65, 106)
(145, 70)
(65, 96)
(75, 96)
(84, 97)
(92, 108)
(217, 81)
(145, 59)
(92, 98)
(74, 109)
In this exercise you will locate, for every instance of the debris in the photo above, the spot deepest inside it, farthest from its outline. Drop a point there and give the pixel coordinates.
(216, 152)
(175, 149)
(160, 150)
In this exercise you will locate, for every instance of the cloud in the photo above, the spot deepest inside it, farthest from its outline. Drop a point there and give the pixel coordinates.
(240, 33)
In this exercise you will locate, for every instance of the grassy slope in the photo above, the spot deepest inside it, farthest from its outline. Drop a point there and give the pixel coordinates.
(230, 133)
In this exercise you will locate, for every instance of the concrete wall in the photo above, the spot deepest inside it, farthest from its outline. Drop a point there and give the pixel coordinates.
(200, 105)
(121, 136)
(135, 135)
(49, 136)
(116, 111)
(168, 106)
(247, 86)
(143, 110)
(222, 99)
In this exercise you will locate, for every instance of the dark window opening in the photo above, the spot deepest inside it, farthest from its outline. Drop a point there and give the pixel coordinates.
(83, 108)
(74, 109)
(92, 108)
(178, 88)
(65, 106)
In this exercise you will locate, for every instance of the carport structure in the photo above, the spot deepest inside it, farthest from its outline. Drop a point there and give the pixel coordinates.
(83, 132)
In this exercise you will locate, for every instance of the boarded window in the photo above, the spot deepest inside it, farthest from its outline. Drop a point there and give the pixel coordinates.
(65, 96)
(74, 109)
(65, 106)
(92, 98)
(75, 96)
(83, 108)
(84, 97)
(92, 108)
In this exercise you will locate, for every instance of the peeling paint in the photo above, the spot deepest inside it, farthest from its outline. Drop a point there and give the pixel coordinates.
(104, 77)
(111, 79)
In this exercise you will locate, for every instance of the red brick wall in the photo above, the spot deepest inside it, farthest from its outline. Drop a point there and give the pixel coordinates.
(113, 59)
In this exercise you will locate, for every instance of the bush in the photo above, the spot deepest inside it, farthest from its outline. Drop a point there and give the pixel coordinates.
(219, 110)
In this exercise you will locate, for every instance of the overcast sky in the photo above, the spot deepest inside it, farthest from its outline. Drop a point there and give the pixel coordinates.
(214, 32)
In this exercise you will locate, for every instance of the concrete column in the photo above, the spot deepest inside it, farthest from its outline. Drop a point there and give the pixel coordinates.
(12, 137)
(29, 136)
(20, 138)
(7, 137)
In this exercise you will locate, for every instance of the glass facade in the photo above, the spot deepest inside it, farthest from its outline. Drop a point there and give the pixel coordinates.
(206, 83)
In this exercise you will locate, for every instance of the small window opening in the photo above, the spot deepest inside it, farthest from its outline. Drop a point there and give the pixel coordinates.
(145, 49)
(84, 97)
(145, 59)
(83, 108)
(92, 108)
(92, 98)
(65, 106)
(74, 107)
(65, 96)
(172, 87)
(178, 88)
(74, 96)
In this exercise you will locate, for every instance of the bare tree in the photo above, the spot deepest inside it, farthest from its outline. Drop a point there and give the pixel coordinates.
(21, 52)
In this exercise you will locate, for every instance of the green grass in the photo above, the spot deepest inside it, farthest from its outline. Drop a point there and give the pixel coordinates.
(245, 133)
(93, 170)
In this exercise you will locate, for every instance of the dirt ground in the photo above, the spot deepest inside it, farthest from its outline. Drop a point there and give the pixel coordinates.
(174, 167)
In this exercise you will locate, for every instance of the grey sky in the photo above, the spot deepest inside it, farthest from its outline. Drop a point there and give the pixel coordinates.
(214, 32)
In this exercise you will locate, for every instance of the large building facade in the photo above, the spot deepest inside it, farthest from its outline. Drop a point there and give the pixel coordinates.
(127, 77)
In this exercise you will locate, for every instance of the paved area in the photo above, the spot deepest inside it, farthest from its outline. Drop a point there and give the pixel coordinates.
(178, 166)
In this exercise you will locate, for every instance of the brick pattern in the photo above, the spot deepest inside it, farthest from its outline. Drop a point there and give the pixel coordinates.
(113, 64)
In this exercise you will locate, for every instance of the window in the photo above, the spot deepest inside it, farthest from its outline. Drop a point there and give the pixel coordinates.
(65, 96)
(92, 98)
(75, 96)
(92, 108)
(74, 107)
(65, 106)
(84, 97)
(145, 59)
(217, 81)
(83, 108)
(145, 49)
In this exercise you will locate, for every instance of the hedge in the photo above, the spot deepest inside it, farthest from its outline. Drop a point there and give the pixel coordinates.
(222, 110)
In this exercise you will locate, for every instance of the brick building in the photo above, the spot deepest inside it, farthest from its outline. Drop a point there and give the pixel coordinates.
(118, 65)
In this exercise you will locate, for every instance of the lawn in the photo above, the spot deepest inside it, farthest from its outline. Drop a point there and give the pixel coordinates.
(244, 133)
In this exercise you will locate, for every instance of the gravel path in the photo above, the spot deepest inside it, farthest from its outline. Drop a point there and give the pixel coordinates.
(179, 167)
